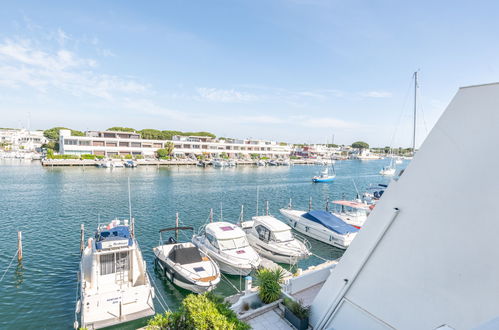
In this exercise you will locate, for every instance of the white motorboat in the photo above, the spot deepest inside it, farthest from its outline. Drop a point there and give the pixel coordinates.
(284, 162)
(352, 212)
(105, 164)
(321, 225)
(218, 162)
(114, 285)
(228, 246)
(185, 265)
(117, 164)
(231, 163)
(398, 161)
(261, 162)
(131, 163)
(273, 162)
(274, 240)
(387, 171)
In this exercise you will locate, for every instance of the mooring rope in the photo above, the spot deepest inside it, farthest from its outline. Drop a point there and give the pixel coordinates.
(160, 296)
(227, 280)
(317, 256)
(10, 264)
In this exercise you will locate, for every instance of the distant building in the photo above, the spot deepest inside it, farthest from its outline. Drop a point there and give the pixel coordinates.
(21, 139)
(112, 143)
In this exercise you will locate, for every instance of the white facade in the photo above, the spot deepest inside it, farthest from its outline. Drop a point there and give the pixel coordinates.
(109, 143)
(22, 139)
(426, 257)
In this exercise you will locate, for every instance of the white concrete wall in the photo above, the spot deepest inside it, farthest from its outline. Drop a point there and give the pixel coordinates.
(437, 262)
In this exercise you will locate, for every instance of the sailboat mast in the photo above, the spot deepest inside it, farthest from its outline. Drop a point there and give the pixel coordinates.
(414, 124)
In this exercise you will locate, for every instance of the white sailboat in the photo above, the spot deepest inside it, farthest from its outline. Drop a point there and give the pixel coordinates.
(388, 170)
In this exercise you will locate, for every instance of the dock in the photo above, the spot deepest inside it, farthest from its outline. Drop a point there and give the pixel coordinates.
(269, 264)
(152, 162)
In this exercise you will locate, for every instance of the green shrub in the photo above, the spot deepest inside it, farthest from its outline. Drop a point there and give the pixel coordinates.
(87, 156)
(128, 157)
(99, 157)
(116, 156)
(297, 308)
(139, 157)
(203, 312)
(269, 282)
(224, 309)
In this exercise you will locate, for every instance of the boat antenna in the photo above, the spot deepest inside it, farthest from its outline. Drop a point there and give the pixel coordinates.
(176, 225)
(290, 205)
(241, 216)
(355, 186)
(266, 207)
(327, 203)
(415, 108)
(132, 223)
(211, 215)
(257, 193)
(310, 203)
(221, 212)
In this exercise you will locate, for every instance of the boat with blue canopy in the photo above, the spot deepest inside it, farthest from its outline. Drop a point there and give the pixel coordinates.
(321, 225)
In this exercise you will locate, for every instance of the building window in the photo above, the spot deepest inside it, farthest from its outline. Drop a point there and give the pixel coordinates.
(135, 144)
(98, 143)
(111, 144)
(84, 143)
(157, 145)
(123, 144)
(110, 135)
(71, 142)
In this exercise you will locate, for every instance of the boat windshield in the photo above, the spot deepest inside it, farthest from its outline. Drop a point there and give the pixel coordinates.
(233, 243)
(283, 236)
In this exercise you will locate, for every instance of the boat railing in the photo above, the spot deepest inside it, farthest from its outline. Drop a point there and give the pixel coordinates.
(305, 242)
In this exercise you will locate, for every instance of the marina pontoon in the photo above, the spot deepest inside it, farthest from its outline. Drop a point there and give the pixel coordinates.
(321, 225)
(274, 240)
(185, 265)
(114, 286)
(227, 245)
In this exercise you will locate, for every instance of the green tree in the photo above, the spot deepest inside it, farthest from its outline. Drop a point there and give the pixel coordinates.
(53, 133)
(169, 147)
(360, 145)
(122, 129)
(162, 153)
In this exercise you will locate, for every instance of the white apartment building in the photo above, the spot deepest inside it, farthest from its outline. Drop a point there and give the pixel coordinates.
(112, 143)
(21, 139)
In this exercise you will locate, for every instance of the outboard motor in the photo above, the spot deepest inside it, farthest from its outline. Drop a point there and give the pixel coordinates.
(172, 240)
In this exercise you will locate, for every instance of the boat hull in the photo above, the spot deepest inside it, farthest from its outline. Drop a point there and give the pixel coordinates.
(182, 281)
(320, 180)
(314, 231)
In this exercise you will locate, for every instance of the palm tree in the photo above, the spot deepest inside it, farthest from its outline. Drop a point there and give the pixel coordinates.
(169, 146)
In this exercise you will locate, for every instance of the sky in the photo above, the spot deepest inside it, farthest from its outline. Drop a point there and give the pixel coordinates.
(285, 70)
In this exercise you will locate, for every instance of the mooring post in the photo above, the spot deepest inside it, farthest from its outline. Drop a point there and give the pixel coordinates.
(266, 207)
(310, 203)
(82, 238)
(19, 246)
(176, 225)
(211, 215)
(327, 203)
(290, 205)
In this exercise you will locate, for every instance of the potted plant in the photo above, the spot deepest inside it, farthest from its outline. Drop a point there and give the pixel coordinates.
(269, 284)
(296, 313)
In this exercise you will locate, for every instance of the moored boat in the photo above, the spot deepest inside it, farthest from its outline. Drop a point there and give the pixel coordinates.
(321, 225)
(274, 240)
(114, 285)
(185, 265)
(228, 246)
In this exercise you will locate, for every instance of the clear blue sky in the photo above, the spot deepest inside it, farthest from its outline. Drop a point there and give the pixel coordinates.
(294, 70)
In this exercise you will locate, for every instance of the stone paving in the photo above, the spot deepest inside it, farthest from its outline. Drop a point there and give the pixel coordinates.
(270, 320)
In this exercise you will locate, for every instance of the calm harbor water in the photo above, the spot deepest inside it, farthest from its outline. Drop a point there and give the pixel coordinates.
(49, 204)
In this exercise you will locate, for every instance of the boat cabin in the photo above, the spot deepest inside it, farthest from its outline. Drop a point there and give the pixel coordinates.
(269, 229)
(351, 208)
(225, 236)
